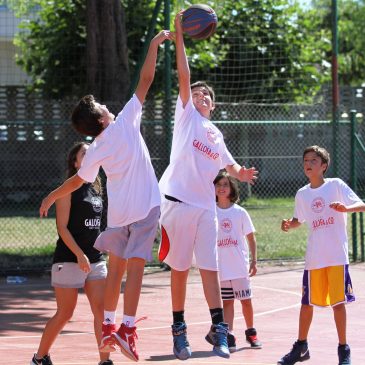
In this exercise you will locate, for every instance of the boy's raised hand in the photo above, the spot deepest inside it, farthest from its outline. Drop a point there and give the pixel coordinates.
(178, 25)
(247, 175)
(162, 36)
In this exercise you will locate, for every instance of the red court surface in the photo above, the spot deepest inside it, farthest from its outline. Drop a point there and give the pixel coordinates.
(25, 308)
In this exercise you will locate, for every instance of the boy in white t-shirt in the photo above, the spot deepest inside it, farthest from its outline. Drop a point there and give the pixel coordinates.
(235, 229)
(188, 212)
(133, 198)
(323, 205)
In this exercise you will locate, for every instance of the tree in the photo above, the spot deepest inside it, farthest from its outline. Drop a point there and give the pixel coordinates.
(73, 47)
(106, 48)
(351, 43)
(267, 49)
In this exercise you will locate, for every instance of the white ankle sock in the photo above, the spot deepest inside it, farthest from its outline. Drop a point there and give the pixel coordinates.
(109, 317)
(128, 320)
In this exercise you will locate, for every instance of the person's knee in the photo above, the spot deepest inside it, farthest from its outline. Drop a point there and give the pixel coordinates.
(339, 308)
(65, 314)
(247, 303)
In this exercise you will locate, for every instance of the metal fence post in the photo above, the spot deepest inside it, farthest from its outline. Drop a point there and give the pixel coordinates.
(168, 103)
(353, 181)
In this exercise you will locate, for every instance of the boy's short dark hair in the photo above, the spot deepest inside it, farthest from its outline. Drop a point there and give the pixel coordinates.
(320, 152)
(204, 84)
(86, 117)
(234, 194)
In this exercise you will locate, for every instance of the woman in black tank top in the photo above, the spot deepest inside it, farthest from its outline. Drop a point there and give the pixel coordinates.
(76, 263)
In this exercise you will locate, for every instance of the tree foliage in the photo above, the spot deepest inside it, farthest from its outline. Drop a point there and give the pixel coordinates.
(285, 49)
(52, 40)
(351, 42)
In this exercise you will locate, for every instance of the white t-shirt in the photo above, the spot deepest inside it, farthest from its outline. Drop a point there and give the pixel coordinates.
(121, 151)
(198, 153)
(234, 224)
(327, 243)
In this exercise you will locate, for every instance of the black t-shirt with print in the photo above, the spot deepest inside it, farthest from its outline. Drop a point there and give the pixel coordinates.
(84, 225)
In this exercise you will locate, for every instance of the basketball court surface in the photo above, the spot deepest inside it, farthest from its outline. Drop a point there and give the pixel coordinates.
(25, 308)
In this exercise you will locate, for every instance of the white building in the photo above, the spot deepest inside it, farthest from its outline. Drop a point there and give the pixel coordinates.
(10, 73)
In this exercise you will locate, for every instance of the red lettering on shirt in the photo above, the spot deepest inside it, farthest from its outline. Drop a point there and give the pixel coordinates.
(205, 150)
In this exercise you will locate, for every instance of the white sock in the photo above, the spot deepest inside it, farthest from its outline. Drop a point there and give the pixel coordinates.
(109, 317)
(128, 320)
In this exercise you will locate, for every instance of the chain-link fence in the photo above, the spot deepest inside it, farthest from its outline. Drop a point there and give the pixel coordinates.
(35, 136)
(264, 67)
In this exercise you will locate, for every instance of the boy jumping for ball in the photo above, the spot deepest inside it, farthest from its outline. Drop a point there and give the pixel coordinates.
(133, 196)
(323, 205)
(188, 211)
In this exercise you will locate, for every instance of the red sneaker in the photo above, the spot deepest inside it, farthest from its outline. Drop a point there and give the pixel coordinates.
(125, 338)
(107, 343)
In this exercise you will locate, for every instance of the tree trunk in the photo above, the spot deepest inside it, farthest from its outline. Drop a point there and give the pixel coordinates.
(107, 54)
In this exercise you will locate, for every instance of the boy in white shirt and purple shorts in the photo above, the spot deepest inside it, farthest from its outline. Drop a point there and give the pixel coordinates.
(323, 204)
(188, 212)
(133, 199)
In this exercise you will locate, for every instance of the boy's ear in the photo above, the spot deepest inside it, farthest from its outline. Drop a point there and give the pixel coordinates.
(102, 121)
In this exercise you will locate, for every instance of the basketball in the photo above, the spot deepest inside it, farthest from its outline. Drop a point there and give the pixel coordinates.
(199, 21)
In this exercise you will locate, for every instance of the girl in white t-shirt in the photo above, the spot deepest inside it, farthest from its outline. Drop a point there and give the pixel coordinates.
(235, 229)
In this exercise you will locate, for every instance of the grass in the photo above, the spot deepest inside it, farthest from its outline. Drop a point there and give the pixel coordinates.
(32, 240)
(272, 242)
(33, 236)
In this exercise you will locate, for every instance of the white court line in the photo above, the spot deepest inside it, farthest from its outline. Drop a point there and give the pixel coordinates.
(190, 324)
(193, 360)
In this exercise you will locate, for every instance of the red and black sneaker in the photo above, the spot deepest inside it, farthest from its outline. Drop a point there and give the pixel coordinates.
(107, 343)
(251, 338)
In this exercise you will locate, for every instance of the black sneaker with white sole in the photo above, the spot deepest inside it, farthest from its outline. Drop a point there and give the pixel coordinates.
(344, 355)
(45, 360)
(231, 342)
(298, 353)
(106, 362)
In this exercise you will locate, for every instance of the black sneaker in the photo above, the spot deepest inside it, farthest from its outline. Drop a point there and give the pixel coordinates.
(45, 360)
(251, 338)
(231, 342)
(106, 362)
(298, 353)
(344, 355)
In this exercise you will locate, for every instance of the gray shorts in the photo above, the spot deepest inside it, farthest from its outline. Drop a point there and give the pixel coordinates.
(69, 274)
(133, 240)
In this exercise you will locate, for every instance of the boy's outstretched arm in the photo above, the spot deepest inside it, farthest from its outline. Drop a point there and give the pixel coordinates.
(69, 186)
(287, 224)
(353, 208)
(242, 174)
(149, 67)
(183, 70)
